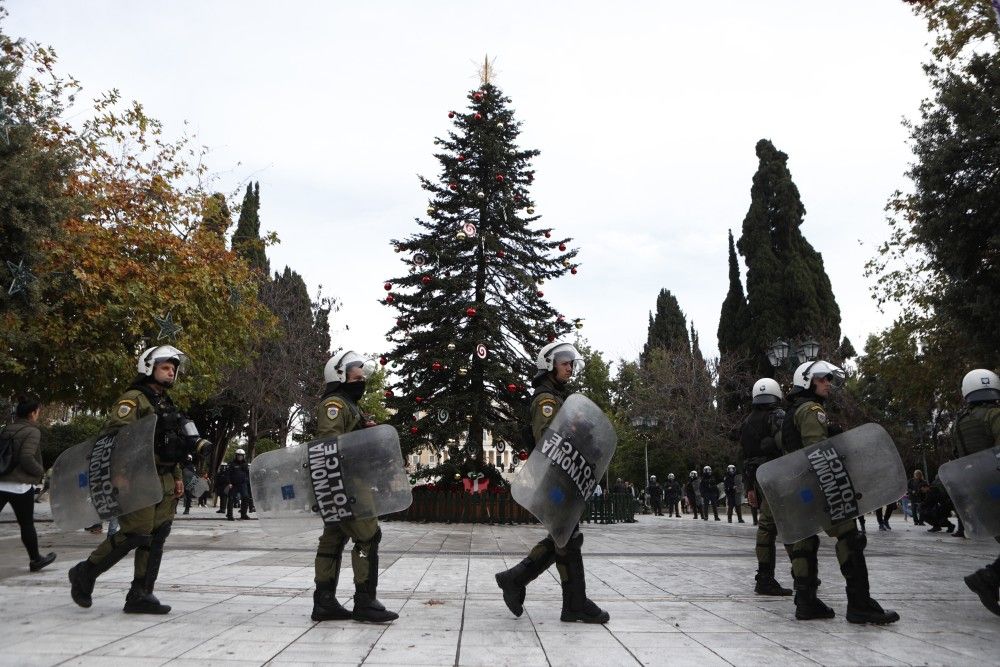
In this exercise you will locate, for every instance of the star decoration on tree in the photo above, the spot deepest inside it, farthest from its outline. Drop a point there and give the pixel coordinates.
(168, 329)
(22, 278)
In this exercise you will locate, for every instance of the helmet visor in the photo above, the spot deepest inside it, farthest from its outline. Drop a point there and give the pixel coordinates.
(569, 354)
(354, 360)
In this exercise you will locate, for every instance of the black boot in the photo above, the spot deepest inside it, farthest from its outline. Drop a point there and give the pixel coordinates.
(82, 578)
(807, 606)
(861, 608)
(767, 584)
(514, 582)
(42, 561)
(139, 600)
(83, 575)
(986, 584)
(325, 605)
(576, 605)
(365, 612)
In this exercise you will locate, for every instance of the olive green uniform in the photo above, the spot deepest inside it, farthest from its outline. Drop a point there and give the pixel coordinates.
(810, 421)
(978, 428)
(145, 528)
(548, 399)
(337, 414)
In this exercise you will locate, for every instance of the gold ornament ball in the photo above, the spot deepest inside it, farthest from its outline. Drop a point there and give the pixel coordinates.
(566, 263)
(451, 347)
(531, 210)
(579, 325)
(463, 371)
(460, 235)
(458, 475)
(468, 418)
(430, 210)
(500, 125)
(511, 152)
(481, 194)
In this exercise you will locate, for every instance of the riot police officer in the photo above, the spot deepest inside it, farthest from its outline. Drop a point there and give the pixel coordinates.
(672, 494)
(556, 363)
(222, 487)
(978, 428)
(146, 529)
(338, 413)
(807, 424)
(733, 501)
(238, 487)
(759, 436)
(691, 492)
(655, 493)
(709, 493)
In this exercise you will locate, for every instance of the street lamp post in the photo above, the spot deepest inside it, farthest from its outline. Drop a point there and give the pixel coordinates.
(645, 424)
(782, 354)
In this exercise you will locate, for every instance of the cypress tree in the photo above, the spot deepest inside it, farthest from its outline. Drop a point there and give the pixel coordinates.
(668, 327)
(246, 239)
(734, 320)
(788, 292)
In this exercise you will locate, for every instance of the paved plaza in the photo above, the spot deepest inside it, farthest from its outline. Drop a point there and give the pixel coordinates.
(679, 592)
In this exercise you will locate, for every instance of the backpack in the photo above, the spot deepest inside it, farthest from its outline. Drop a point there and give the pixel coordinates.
(8, 457)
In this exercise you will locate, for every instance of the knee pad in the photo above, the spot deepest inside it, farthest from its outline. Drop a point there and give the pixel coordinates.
(855, 540)
(575, 542)
(160, 533)
(807, 550)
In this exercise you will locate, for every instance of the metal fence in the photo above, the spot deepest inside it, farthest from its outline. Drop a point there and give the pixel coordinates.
(500, 508)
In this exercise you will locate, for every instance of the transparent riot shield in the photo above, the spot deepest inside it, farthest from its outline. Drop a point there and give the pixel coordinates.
(565, 466)
(832, 481)
(354, 476)
(197, 487)
(106, 476)
(973, 484)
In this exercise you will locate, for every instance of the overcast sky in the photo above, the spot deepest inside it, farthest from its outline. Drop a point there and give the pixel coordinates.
(646, 114)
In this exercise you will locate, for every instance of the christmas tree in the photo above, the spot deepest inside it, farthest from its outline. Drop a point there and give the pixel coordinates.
(472, 312)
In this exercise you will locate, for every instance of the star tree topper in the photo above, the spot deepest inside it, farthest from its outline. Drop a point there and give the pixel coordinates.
(168, 328)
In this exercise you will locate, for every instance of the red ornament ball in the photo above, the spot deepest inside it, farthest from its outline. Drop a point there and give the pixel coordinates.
(388, 393)
(477, 96)
(383, 360)
(451, 114)
(539, 293)
(523, 455)
(573, 270)
(501, 254)
(562, 246)
(389, 298)
(453, 186)
(387, 287)
(436, 366)
(548, 235)
(471, 312)
(551, 338)
(499, 178)
(512, 388)
(478, 116)
(461, 157)
(418, 399)
(414, 430)
(426, 280)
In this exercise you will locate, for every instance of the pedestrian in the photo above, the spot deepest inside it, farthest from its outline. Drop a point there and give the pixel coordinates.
(21, 440)
(147, 528)
(557, 363)
(758, 437)
(337, 413)
(238, 489)
(655, 492)
(882, 516)
(807, 424)
(978, 429)
(672, 494)
(733, 500)
(916, 498)
(709, 493)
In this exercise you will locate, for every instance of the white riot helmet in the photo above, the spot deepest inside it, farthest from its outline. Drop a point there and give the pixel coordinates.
(557, 351)
(805, 373)
(731, 468)
(981, 385)
(240, 452)
(336, 369)
(149, 359)
(766, 391)
(670, 476)
(707, 469)
(693, 474)
(652, 478)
